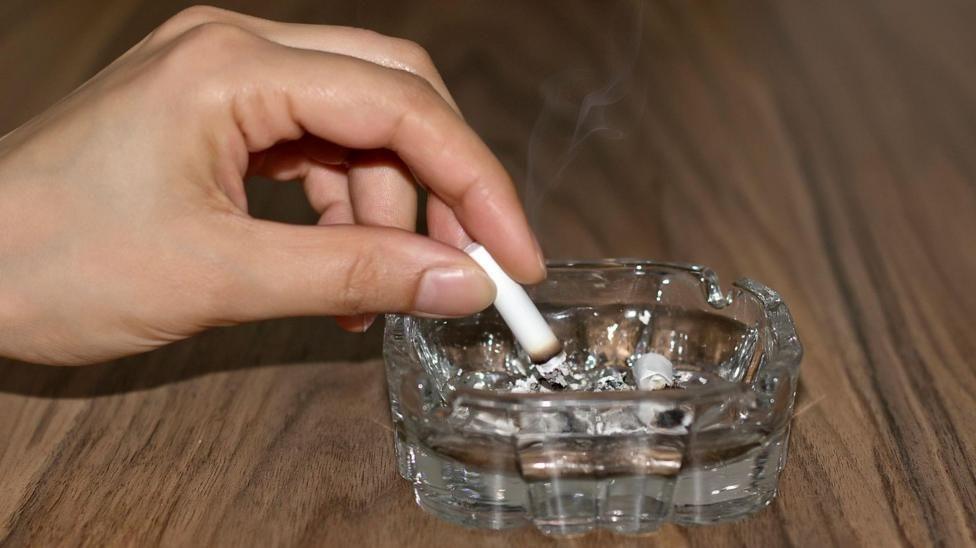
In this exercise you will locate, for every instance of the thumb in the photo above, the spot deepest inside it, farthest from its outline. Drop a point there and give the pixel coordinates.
(286, 270)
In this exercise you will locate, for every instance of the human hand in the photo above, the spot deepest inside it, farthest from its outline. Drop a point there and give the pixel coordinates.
(123, 217)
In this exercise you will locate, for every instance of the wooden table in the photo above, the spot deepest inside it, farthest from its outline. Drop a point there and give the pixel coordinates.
(827, 149)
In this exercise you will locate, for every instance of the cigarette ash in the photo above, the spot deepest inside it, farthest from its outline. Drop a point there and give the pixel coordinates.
(649, 371)
(611, 380)
(527, 384)
(558, 373)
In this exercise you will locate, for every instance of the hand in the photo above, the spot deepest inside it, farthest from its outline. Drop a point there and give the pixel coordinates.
(123, 217)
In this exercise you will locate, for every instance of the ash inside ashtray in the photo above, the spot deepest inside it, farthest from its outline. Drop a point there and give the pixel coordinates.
(648, 371)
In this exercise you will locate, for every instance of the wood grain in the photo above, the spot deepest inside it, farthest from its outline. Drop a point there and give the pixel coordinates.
(824, 148)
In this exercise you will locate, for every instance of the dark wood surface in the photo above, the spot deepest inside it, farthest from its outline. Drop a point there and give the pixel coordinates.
(827, 149)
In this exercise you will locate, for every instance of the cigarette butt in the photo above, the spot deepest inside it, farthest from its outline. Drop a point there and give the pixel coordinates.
(652, 371)
(518, 311)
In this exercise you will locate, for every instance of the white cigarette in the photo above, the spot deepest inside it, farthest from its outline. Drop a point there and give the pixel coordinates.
(652, 371)
(518, 311)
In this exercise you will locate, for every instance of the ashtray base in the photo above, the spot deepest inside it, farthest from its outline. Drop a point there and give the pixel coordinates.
(634, 505)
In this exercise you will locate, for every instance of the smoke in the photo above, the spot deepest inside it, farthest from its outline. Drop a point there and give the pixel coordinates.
(594, 110)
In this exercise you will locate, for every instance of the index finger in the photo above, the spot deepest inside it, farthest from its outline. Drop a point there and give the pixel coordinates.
(359, 104)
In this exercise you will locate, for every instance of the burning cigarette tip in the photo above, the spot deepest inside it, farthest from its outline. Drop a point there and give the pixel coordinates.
(548, 353)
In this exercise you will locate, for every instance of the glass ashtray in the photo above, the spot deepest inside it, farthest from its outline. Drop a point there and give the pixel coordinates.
(487, 443)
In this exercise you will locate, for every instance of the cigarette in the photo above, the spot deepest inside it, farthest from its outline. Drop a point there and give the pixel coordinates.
(652, 371)
(518, 311)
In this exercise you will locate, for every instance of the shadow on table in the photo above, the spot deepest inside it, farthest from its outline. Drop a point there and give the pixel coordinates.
(275, 343)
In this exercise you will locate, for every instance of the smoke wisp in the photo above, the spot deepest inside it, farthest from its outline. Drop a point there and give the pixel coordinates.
(552, 145)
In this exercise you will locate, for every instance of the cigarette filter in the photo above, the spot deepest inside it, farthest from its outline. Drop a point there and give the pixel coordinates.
(652, 371)
(518, 311)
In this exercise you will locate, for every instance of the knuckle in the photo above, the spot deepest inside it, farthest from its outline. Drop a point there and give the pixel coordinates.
(196, 15)
(414, 56)
(205, 48)
(400, 53)
(475, 192)
(366, 36)
(183, 21)
(216, 37)
(358, 281)
(417, 91)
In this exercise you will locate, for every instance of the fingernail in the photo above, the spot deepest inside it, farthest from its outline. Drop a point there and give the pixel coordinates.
(453, 291)
(367, 321)
(538, 253)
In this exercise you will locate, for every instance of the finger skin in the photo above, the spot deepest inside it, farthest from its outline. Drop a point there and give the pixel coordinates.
(383, 193)
(339, 271)
(382, 190)
(370, 46)
(327, 189)
(387, 51)
(361, 105)
(480, 194)
(443, 226)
